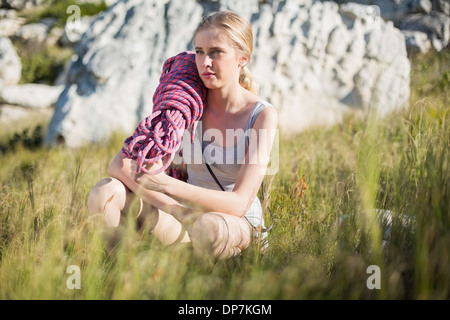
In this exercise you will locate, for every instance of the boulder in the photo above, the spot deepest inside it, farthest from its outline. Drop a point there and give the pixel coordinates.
(10, 64)
(316, 61)
(73, 31)
(12, 113)
(30, 95)
(9, 22)
(20, 4)
(436, 25)
(416, 41)
(33, 32)
(118, 62)
(431, 17)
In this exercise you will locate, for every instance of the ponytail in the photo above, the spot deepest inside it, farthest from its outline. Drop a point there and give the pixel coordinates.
(246, 80)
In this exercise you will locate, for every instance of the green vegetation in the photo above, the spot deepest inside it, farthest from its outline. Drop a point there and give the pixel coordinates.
(58, 9)
(326, 232)
(42, 63)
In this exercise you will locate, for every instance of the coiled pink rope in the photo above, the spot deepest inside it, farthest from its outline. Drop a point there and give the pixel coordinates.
(178, 104)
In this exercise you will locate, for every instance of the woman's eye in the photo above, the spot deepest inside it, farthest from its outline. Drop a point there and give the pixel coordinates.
(215, 52)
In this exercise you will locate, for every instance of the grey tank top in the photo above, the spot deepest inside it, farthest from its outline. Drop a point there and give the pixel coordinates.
(225, 162)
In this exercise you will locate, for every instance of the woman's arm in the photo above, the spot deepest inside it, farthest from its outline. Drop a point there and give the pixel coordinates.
(248, 182)
(121, 168)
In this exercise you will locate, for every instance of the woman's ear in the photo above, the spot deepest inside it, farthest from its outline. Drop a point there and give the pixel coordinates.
(243, 61)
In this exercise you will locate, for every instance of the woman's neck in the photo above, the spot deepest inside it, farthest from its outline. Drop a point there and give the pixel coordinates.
(225, 101)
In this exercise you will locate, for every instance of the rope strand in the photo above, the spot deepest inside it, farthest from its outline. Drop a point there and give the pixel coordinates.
(178, 104)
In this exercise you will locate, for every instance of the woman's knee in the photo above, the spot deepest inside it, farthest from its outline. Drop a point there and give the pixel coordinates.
(107, 193)
(208, 235)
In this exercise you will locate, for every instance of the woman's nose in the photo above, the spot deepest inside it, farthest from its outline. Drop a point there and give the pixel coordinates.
(207, 61)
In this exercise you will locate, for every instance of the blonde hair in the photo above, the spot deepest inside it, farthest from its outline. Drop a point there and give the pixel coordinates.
(240, 33)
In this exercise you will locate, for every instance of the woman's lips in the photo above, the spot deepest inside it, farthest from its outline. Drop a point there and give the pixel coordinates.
(208, 75)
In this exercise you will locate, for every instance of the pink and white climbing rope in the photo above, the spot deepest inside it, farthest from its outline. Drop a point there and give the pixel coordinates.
(178, 104)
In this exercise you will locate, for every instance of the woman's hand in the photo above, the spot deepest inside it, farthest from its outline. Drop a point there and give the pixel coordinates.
(154, 182)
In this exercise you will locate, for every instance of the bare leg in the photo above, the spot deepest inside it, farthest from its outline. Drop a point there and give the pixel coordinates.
(220, 235)
(110, 199)
(169, 230)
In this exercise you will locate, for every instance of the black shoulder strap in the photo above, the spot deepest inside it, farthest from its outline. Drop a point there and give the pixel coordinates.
(214, 176)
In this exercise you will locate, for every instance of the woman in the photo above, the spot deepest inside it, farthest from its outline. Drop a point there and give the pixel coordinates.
(217, 223)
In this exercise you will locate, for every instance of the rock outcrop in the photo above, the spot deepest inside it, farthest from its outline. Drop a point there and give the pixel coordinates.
(30, 95)
(111, 82)
(425, 23)
(313, 60)
(10, 65)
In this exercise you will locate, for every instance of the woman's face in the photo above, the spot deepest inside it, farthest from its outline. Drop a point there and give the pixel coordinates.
(217, 61)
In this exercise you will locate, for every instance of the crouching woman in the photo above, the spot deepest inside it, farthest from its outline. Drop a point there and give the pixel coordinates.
(217, 209)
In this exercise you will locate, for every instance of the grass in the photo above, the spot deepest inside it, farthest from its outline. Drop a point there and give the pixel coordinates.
(324, 200)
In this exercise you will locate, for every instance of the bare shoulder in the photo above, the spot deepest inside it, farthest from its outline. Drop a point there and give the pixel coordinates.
(268, 118)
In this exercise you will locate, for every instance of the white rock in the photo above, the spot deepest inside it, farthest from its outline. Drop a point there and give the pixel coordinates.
(111, 84)
(21, 4)
(10, 113)
(10, 26)
(429, 16)
(417, 41)
(7, 14)
(313, 60)
(10, 65)
(442, 6)
(436, 25)
(33, 32)
(32, 95)
(73, 31)
(334, 64)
